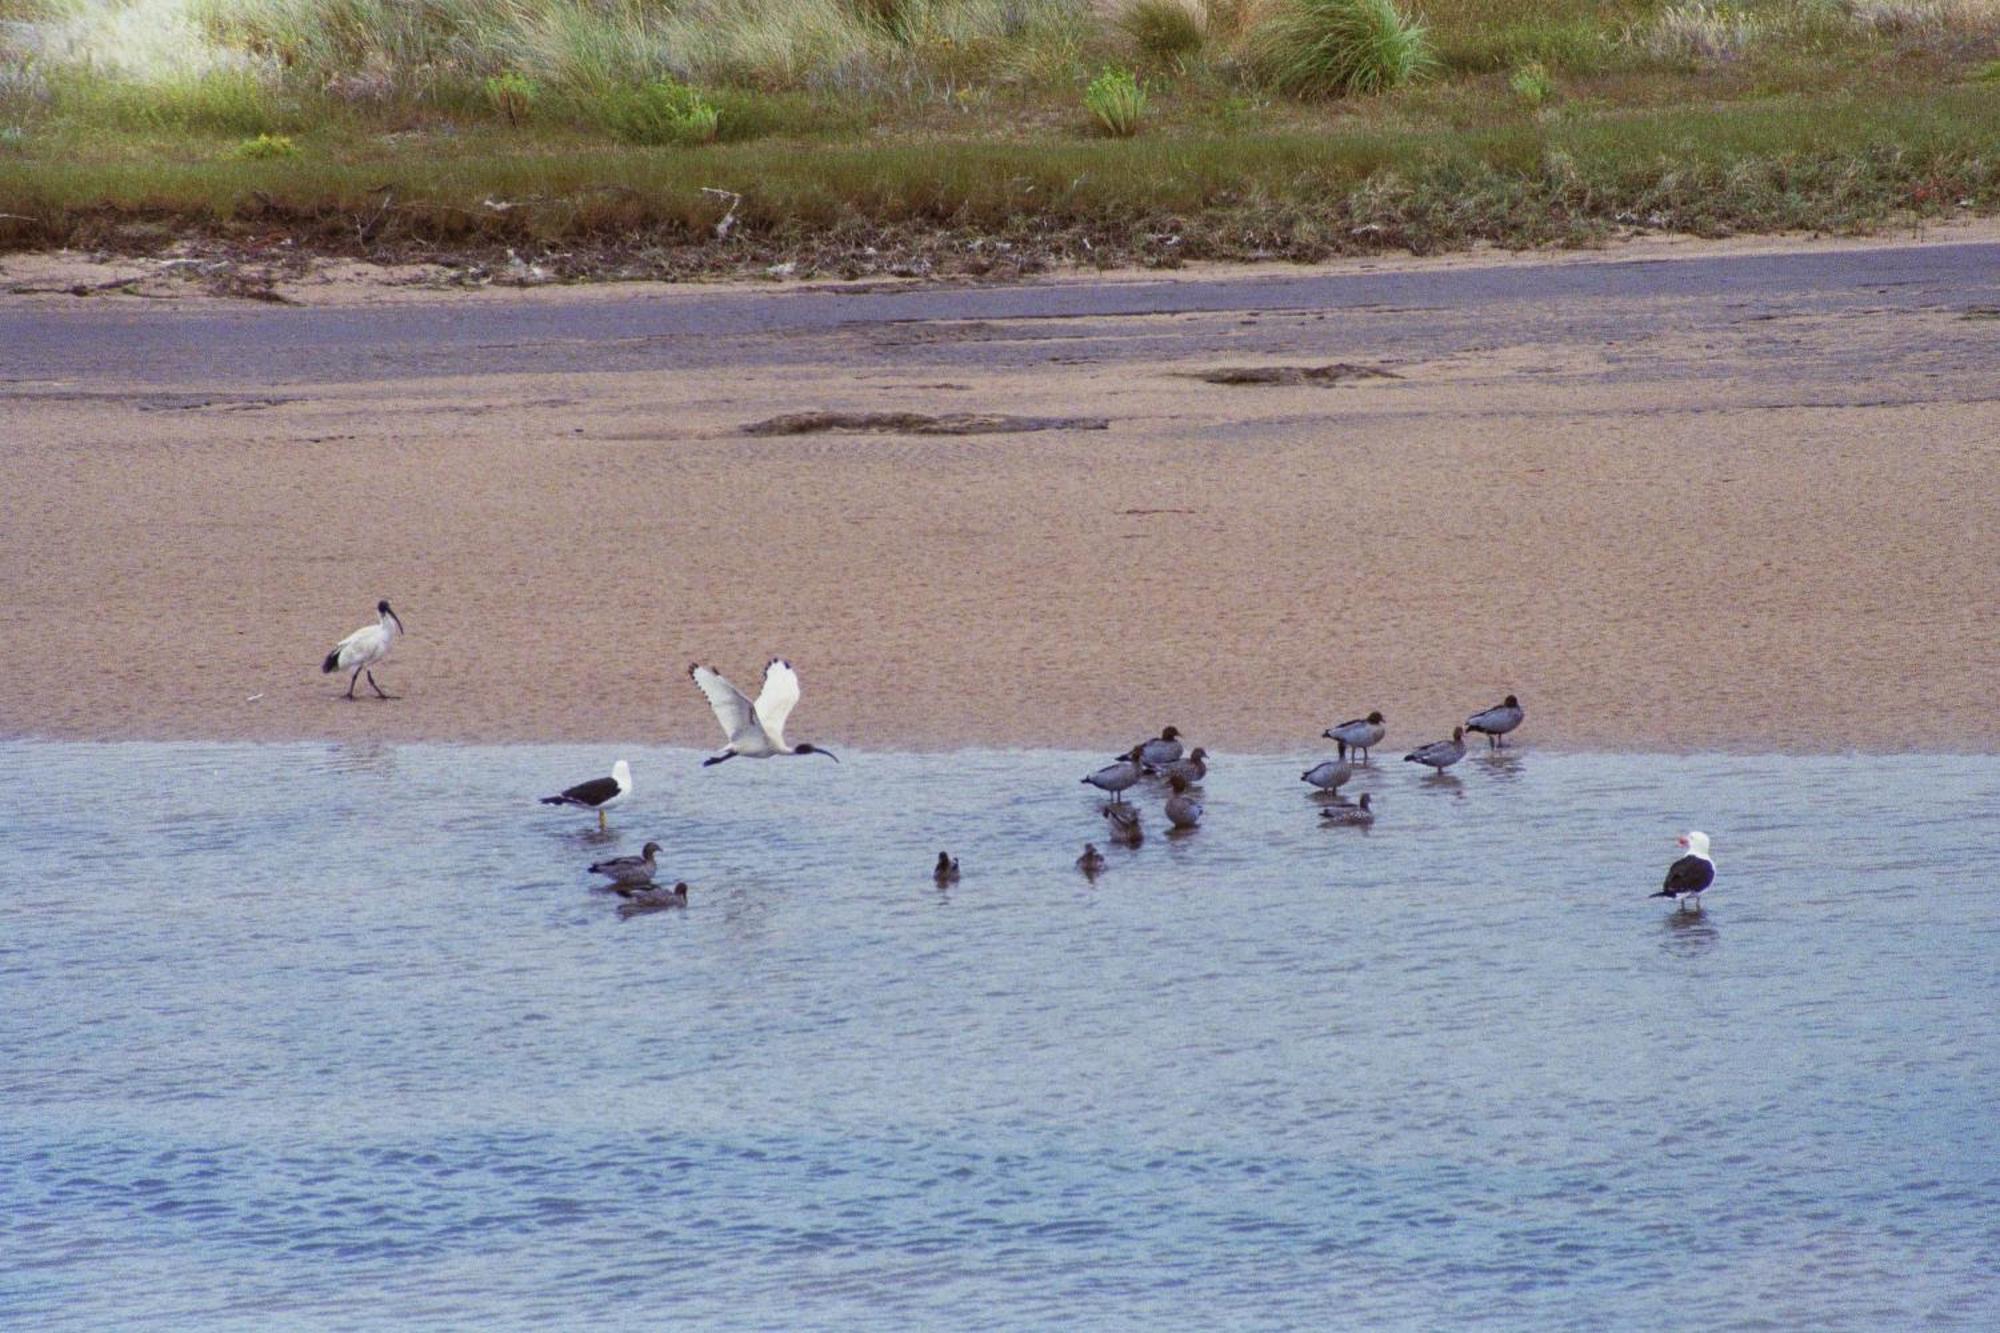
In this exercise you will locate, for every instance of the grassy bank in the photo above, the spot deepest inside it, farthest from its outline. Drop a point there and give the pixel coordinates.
(648, 138)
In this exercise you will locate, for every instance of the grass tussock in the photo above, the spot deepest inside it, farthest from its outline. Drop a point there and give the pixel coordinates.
(1165, 32)
(1342, 48)
(1117, 101)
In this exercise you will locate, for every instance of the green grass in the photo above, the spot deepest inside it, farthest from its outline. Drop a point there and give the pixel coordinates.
(1795, 163)
(1271, 127)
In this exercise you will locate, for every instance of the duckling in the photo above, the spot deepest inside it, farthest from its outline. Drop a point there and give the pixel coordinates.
(649, 899)
(1352, 816)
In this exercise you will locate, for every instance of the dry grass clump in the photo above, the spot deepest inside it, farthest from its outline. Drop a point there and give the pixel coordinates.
(1700, 33)
(1166, 32)
(1925, 18)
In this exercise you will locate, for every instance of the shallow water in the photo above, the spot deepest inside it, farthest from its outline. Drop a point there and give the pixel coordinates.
(341, 1036)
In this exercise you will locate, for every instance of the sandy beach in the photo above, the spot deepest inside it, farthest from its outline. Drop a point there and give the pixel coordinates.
(1731, 498)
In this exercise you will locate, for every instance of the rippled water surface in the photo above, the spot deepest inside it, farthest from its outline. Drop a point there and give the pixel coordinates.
(312, 1035)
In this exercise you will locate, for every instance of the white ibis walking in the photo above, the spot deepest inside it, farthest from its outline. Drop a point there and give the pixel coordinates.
(361, 650)
(1689, 877)
(755, 731)
(598, 794)
(1497, 721)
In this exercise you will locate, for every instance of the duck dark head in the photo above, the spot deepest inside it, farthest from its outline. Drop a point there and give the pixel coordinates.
(1511, 702)
(1170, 733)
(1374, 719)
(651, 850)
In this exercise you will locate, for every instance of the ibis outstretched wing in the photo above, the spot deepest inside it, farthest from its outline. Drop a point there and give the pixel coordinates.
(776, 700)
(732, 709)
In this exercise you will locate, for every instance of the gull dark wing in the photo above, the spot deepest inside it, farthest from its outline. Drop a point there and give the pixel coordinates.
(1690, 874)
(592, 793)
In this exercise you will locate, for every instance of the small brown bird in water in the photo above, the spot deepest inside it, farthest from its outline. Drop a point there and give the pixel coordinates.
(945, 872)
(1125, 827)
(1091, 863)
(1356, 816)
(1191, 769)
(631, 869)
(649, 899)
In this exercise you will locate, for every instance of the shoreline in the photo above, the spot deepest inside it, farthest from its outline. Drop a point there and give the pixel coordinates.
(197, 273)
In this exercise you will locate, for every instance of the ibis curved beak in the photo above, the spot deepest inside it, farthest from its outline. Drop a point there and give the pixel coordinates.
(399, 623)
(820, 749)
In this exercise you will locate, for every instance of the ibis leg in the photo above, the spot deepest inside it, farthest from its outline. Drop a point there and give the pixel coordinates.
(377, 688)
(352, 681)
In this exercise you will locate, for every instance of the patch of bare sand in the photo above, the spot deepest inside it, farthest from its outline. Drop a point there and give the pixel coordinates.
(1645, 566)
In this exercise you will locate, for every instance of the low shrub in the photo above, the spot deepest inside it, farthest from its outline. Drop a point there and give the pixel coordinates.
(1531, 83)
(1117, 100)
(266, 147)
(665, 111)
(512, 95)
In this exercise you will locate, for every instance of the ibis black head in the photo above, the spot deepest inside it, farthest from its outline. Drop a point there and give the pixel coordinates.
(382, 608)
(1375, 719)
(1512, 702)
(807, 747)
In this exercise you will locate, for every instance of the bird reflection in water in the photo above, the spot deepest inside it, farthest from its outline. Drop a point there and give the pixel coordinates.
(1688, 934)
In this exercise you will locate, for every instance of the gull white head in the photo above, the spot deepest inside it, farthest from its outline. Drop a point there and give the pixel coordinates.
(621, 773)
(1696, 843)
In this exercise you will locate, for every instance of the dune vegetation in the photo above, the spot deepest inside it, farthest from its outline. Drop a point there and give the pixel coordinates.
(681, 136)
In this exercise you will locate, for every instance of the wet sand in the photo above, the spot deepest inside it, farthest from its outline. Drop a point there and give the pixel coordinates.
(1700, 498)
